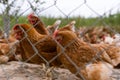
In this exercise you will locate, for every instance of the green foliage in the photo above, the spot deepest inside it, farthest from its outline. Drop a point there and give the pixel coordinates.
(1, 22)
(112, 20)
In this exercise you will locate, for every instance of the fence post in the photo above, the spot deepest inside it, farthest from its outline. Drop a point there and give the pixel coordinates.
(6, 20)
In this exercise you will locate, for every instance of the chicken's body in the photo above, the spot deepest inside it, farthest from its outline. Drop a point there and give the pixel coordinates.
(77, 55)
(37, 46)
(113, 52)
(76, 52)
(70, 26)
(8, 49)
(99, 71)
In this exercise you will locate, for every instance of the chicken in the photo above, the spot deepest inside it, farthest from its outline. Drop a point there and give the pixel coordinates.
(79, 57)
(76, 53)
(37, 48)
(115, 39)
(37, 23)
(101, 53)
(70, 26)
(91, 35)
(113, 52)
(94, 34)
(118, 66)
(9, 39)
(8, 47)
(52, 28)
(7, 51)
(99, 71)
(108, 52)
(3, 59)
(39, 26)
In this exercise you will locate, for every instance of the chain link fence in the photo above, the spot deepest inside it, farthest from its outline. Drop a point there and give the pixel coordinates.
(95, 61)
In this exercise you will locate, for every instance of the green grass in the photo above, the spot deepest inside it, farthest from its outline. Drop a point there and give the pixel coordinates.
(113, 21)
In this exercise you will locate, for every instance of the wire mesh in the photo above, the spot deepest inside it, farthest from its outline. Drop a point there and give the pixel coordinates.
(32, 49)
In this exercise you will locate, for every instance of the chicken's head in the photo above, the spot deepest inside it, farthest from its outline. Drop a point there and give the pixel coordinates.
(17, 31)
(64, 37)
(32, 19)
(20, 30)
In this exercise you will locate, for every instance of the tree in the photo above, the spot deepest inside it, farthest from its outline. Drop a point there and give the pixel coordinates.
(7, 4)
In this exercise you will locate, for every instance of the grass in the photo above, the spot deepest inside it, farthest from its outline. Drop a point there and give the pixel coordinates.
(112, 20)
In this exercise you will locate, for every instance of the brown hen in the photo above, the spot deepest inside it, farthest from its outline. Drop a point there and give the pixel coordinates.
(37, 48)
(76, 53)
(113, 52)
(37, 23)
(52, 28)
(70, 26)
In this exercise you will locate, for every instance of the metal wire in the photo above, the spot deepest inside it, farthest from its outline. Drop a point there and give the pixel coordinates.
(7, 23)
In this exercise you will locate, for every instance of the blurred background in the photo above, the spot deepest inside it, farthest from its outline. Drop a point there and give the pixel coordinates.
(97, 22)
(86, 13)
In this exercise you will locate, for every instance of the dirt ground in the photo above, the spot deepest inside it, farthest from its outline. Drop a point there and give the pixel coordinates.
(25, 71)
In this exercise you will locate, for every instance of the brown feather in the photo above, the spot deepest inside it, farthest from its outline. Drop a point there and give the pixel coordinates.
(78, 51)
(37, 23)
(44, 44)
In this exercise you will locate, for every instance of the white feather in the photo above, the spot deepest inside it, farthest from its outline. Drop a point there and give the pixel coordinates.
(108, 40)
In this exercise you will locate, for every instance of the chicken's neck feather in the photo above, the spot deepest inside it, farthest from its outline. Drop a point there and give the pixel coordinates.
(40, 27)
(33, 35)
(73, 44)
(77, 43)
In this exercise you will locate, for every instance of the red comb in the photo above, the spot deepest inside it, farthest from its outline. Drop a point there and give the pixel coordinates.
(16, 27)
(30, 15)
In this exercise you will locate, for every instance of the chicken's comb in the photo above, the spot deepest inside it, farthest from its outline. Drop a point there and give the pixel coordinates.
(55, 33)
(30, 15)
(16, 27)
